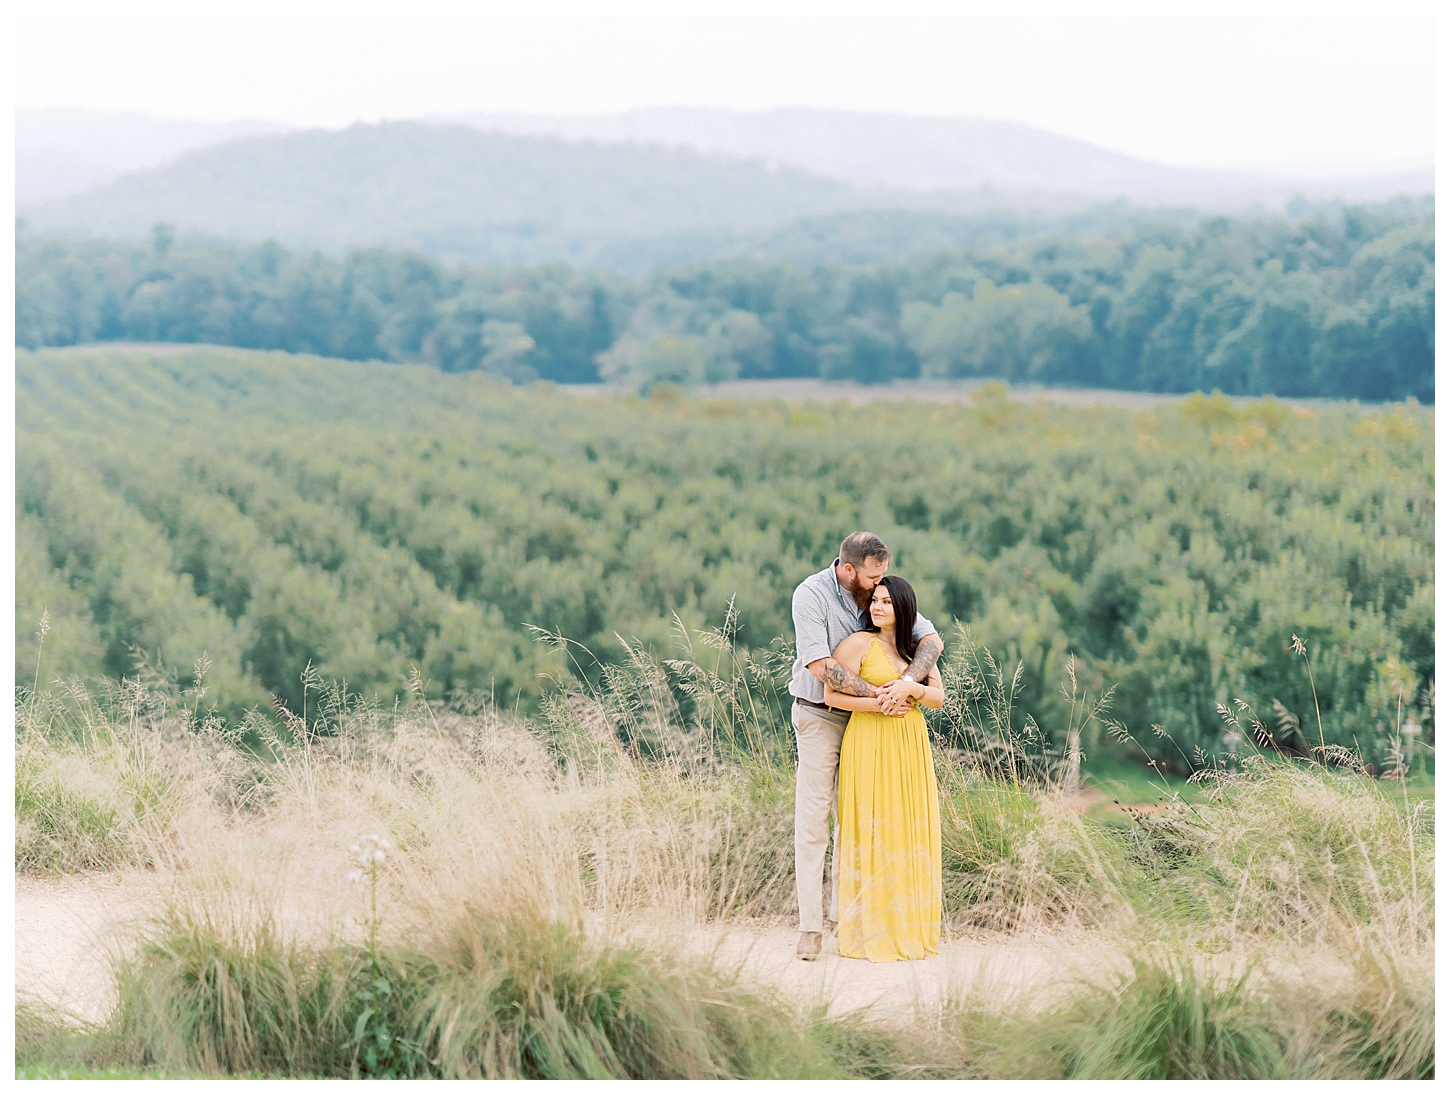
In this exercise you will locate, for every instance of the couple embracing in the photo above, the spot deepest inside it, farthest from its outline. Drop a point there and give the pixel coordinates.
(865, 662)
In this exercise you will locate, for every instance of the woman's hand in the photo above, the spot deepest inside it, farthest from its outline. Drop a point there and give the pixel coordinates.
(906, 696)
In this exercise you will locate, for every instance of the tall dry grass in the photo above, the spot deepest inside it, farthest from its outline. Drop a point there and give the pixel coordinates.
(533, 914)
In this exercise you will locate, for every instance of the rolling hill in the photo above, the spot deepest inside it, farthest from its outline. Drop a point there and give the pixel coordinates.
(594, 195)
(929, 153)
(60, 152)
(454, 192)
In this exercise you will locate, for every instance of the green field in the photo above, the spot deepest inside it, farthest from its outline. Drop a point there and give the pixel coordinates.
(273, 512)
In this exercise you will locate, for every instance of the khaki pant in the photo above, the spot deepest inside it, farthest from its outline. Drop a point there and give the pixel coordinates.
(818, 751)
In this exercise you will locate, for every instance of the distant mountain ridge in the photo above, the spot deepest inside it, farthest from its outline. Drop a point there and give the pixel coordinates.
(61, 152)
(453, 191)
(930, 153)
(460, 192)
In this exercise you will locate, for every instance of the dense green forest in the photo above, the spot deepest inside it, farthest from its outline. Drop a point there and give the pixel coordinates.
(276, 511)
(1337, 305)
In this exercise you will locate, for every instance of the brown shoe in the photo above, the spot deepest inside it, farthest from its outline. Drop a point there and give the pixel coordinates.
(808, 948)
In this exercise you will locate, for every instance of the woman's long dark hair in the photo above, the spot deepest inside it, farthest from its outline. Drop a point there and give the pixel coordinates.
(903, 600)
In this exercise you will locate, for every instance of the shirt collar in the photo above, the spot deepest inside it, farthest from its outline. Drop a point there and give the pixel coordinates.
(846, 598)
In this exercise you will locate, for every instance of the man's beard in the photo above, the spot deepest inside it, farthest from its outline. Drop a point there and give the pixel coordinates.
(860, 594)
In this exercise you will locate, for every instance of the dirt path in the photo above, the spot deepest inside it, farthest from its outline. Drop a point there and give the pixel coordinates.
(67, 930)
(1003, 969)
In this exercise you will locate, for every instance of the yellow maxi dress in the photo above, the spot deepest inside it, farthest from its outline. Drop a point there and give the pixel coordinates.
(890, 843)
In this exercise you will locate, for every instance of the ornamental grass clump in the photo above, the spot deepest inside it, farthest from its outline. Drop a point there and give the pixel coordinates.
(503, 989)
(1017, 857)
(1168, 1020)
(1361, 1009)
(1382, 1024)
(105, 780)
(1296, 847)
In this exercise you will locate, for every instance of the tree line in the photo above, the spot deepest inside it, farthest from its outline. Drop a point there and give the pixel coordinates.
(1334, 306)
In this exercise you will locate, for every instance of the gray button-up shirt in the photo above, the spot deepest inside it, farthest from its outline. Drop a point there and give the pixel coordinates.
(824, 614)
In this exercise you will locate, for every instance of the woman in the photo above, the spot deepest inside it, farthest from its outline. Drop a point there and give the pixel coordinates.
(889, 847)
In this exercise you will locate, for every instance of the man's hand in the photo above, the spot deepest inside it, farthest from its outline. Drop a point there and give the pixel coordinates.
(897, 697)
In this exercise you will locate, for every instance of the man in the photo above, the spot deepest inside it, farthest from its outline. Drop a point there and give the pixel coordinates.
(826, 608)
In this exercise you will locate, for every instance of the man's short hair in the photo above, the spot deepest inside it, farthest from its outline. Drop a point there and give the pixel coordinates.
(860, 546)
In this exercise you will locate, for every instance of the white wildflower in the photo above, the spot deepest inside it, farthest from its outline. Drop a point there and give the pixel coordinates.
(354, 876)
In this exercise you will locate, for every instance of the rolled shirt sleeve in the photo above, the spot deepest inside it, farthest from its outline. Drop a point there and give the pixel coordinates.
(809, 614)
(923, 628)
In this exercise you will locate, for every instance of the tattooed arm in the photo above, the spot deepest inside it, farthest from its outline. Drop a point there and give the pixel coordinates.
(927, 653)
(809, 612)
(844, 667)
(838, 678)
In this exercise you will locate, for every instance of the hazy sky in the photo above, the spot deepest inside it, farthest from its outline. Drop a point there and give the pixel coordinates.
(1294, 86)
